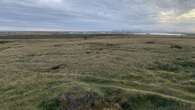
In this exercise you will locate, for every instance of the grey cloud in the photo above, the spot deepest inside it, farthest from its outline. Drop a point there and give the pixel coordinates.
(179, 6)
(92, 14)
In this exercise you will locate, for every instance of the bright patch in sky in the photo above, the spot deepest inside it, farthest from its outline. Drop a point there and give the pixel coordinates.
(188, 16)
(98, 15)
(51, 3)
(167, 16)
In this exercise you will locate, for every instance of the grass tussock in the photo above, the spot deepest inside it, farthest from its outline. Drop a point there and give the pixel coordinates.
(113, 99)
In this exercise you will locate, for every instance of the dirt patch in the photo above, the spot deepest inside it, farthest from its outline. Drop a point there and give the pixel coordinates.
(5, 42)
(150, 42)
(58, 45)
(176, 47)
(88, 52)
(57, 67)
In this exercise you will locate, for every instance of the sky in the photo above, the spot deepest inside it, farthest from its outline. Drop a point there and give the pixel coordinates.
(98, 15)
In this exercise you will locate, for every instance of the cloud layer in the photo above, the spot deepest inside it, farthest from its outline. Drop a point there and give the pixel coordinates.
(83, 15)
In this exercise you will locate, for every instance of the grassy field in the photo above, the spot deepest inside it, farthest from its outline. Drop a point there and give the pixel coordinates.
(144, 73)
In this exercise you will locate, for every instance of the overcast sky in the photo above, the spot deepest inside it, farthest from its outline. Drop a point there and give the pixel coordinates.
(98, 15)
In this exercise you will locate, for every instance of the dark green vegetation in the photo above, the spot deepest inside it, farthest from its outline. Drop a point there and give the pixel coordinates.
(97, 74)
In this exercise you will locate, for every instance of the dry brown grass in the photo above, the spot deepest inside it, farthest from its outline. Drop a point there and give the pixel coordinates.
(36, 71)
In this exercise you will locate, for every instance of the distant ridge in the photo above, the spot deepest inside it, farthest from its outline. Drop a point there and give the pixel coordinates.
(84, 34)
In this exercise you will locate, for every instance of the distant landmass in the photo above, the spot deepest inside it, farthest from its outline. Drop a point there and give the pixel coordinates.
(62, 34)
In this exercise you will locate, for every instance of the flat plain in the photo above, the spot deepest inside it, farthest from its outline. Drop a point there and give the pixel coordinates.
(111, 73)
